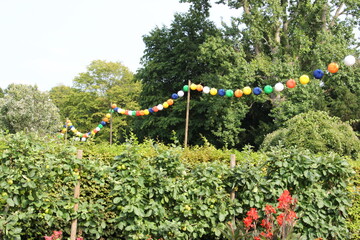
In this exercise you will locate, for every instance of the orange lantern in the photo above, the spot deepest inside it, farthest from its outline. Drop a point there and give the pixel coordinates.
(238, 93)
(105, 119)
(113, 105)
(333, 67)
(199, 88)
(291, 83)
(170, 102)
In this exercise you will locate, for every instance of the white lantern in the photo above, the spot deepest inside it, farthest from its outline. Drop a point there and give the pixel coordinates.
(130, 113)
(97, 129)
(119, 110)
(279, 87)
(160, 107)
(206, 90)
(349, 60)
(180, 93)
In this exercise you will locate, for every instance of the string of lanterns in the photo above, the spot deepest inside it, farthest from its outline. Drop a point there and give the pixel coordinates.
(278, 87)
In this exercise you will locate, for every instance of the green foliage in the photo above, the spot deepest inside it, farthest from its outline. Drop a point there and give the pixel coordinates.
(353, 221)
(86, 103)
(316, 131)
(25, 108)
(319, 183)
(147, 190)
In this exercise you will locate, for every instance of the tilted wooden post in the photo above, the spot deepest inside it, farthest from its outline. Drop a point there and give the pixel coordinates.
(232, 165)
(187, 116)
(111, 127)
(76, 196)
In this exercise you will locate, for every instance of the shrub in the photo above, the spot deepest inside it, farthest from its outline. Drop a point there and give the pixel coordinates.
(317, 132)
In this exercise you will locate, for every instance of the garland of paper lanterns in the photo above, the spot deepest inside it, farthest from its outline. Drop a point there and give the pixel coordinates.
(278, 87)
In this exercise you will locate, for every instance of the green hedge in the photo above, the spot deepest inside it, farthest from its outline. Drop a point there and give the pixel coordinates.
(149, 190)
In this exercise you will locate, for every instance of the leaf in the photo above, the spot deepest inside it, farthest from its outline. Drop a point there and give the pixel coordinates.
(117, 200)
(10, 202)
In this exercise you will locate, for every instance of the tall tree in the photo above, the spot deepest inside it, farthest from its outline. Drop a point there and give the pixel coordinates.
(185, 51)
(86, 103)
(286, 39)
(25, 108)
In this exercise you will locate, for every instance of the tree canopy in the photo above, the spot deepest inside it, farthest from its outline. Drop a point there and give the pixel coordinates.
(25, 108)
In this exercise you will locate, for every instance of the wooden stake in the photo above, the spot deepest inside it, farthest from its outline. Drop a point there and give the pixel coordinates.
(232, 165)
(111, 125)
(187, 116)
(76, 196)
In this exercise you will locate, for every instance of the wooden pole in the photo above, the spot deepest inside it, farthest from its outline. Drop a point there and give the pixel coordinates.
(111, 125)
(66, 124)
(76, 196)
(232, 165)
(187, 116)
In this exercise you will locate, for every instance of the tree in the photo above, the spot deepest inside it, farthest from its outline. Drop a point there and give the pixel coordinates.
(25, 108)
(316, 131)
(87, 102)
(1, 93)
(185, 51)
(286, 39)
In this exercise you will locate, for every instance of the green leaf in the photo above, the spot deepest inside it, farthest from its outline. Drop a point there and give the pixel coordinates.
(10, 202)
(117, 200)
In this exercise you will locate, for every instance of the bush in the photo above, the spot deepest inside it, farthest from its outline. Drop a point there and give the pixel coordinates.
(147, 190)
(317, 132)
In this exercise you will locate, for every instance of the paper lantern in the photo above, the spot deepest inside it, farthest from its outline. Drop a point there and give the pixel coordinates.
(170, 102)
(221, 92)
(257, 91)
(304, 79)
(238, 93)
(105, 119)
(108, 115)
(126, 112)
(142, 113)
(349, 60)
(160, 107)
(174, 96)
(247, 90)
(133, 113)
(103, 123)
(229, 93)
(165, 105)
(129, 113)
(113, 105)
(333, 67)
(318, 74)
(199, 88)
(279, 87)
(97, 129)
(268, 89)
(151, 110)
(193, 86)
(185, 88)
(180, 93)
(291, 83)
(213, 91)
(146, 112)
(206, 89)
(100, 126)
(137, 113)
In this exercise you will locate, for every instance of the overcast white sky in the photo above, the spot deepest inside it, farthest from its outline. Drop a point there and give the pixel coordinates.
(48, 43)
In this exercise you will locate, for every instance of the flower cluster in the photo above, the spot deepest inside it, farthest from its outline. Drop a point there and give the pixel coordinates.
(57, 235)
(271, 227)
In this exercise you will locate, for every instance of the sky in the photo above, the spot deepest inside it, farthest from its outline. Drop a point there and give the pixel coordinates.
(48, 43)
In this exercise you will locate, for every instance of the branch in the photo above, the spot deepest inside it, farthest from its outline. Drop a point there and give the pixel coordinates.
(337, 14)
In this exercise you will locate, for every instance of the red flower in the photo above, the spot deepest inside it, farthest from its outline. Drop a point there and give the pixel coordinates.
(280, 219)
(269, 209)
(284, 200)
(48, 238)
(290, 216)
(57, 234)
(248, 221)
(257, 238)
(268, 235)
(80, 238)
(265, 224)
(253, 213)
